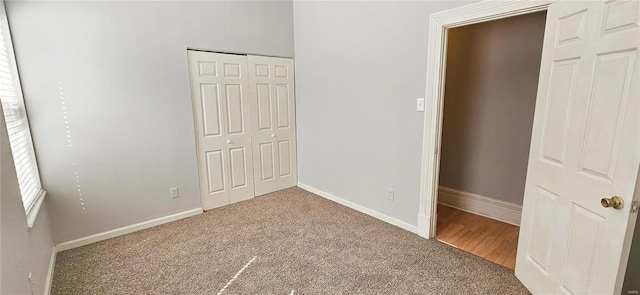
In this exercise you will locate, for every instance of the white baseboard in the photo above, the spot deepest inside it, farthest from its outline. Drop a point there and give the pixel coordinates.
(126, 230)
(52, 264)
(480, 205)
(365, 210)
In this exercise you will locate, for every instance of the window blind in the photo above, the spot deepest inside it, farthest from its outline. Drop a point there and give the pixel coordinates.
(15, 117)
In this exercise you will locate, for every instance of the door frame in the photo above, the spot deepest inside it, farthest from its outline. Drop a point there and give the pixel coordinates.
(439, 24)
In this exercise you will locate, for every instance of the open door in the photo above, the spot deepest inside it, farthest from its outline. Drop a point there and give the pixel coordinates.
(585, 149)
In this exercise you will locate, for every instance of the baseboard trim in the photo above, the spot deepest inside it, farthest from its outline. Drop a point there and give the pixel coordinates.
(477, 204)
(365, 210)
(126, 230)
(52, 264)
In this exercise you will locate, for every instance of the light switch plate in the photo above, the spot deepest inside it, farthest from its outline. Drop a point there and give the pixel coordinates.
(420, 104)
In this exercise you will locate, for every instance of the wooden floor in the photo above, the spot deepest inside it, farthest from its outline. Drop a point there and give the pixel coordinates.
(490, 239)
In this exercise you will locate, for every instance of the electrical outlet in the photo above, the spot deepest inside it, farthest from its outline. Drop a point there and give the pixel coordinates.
(174, 192)
(390, 194)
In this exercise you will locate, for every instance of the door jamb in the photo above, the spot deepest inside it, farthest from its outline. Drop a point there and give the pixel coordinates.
(439, 23)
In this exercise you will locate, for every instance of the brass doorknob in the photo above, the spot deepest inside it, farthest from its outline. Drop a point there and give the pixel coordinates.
(615, 202)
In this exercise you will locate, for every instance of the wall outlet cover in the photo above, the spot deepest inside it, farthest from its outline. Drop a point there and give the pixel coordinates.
(174, 192)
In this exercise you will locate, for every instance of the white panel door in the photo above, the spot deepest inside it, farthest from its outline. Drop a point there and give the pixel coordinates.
(219, 87)
(585, 146)
(273, 121)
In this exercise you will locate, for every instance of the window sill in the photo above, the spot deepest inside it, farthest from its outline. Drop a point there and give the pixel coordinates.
(33, 212)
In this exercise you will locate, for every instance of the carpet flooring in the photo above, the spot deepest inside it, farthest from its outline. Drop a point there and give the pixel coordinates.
(287, 242)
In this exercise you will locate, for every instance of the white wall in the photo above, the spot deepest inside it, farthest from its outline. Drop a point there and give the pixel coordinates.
(124, 72)
(490, 96)
(21, 251)
(359, 68)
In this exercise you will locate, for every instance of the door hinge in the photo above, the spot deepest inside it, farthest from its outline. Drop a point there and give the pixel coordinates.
(634, 206)
(436, 151)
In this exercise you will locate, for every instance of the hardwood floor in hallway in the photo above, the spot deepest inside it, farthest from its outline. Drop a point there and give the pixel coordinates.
(487, 238)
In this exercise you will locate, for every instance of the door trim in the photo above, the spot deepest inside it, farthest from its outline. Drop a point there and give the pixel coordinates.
(439, 23)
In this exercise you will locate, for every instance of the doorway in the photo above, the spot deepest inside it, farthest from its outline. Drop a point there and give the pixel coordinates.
(580, 202)
(492, 71)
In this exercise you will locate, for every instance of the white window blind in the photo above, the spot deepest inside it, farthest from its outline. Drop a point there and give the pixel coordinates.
(15, 117)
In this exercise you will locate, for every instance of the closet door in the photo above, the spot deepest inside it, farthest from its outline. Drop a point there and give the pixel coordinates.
(273, 123)
(219, 87)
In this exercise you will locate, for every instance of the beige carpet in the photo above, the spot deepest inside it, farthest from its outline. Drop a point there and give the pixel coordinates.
(288, 242)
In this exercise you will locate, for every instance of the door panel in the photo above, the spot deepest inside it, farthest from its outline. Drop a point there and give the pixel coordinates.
(571, 27)
(267, 161)
(541, 241)
(263, 91)
(209, 118)
(215, 171)
(282, 112)
(579, 268)
(262, 70)
(558, 111)
(219, 91)
(620, 16)
(607, 109)
(286, 128)
(272, 98)
(263, 127)
(206, 68)
(210, 109)
(281, 71)
(238, 171)
(234, 108)
(232, 70)
(284, 156)
(584, 147)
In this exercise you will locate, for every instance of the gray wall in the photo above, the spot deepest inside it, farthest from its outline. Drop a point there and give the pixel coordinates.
(21, 251)
(490, 94)
(359, 68)
(632, 276)
(124, 73)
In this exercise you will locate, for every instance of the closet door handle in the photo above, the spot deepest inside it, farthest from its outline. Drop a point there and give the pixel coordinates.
(228, 141)
(273, 135)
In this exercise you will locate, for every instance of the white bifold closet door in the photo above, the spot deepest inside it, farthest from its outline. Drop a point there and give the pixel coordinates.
(273, 120)
(223, 130)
